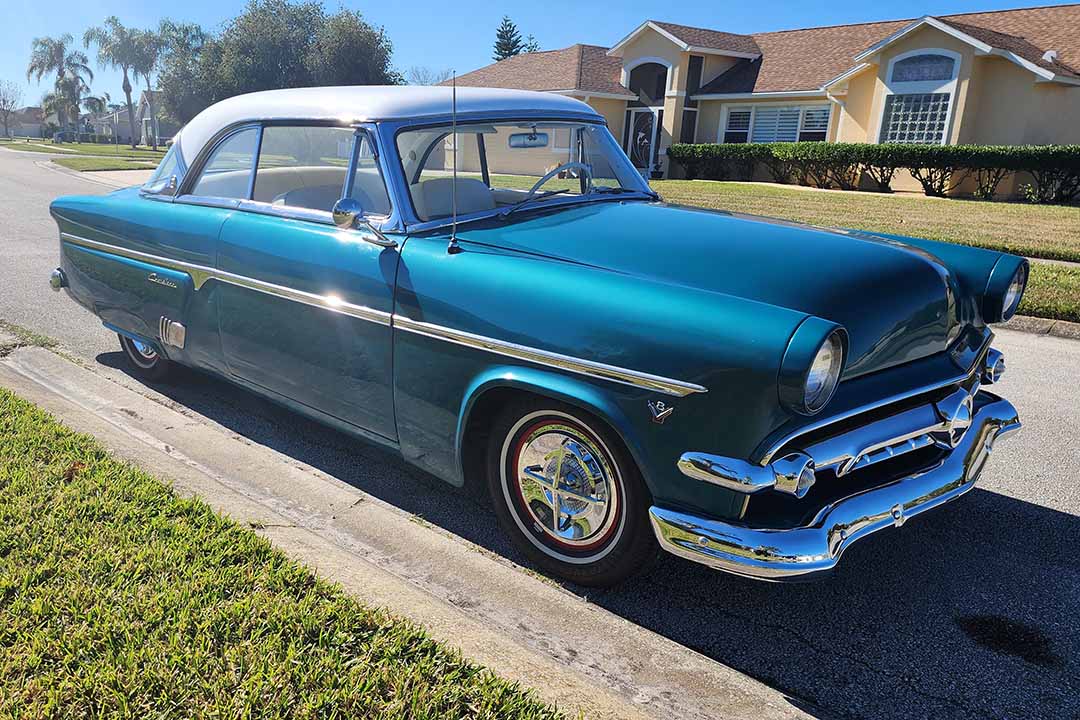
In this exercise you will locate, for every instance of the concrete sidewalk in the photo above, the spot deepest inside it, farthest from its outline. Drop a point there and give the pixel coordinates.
(528, 629)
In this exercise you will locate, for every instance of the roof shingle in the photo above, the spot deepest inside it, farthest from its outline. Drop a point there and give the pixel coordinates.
(711, 39)
(586, 68)
(794, 60)
(791, 60)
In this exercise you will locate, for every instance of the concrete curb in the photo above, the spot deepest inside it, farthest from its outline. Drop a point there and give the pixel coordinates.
(1044, 326)
(85, 176)
(573, 653)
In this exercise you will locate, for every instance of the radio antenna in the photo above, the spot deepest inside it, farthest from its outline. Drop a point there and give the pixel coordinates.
(452, 247)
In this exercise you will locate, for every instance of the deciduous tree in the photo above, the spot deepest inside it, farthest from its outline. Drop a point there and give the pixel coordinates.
(10, 97)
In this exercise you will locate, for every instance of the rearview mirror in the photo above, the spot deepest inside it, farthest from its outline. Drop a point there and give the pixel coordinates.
(529, 140)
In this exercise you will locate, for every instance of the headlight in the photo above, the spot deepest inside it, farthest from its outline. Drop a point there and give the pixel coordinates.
(1014, 293)
(824, 373)
(811, 366)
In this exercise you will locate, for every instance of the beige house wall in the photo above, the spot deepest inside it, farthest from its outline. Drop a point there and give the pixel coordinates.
(614, 112)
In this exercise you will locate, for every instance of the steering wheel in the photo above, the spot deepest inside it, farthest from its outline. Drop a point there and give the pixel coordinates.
(565, 166)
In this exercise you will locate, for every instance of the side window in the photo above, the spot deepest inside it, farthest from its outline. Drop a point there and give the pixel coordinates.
(227, 174)
(368, 187)
(303, 167)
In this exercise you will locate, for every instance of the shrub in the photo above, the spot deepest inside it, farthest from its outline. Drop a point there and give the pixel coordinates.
(880, 163)
(940, 169)
(1055, 170)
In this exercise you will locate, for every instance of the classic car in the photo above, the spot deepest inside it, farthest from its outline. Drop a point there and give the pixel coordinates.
(482, 281)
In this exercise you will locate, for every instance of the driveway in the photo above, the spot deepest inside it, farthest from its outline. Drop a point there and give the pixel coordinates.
(968, 612)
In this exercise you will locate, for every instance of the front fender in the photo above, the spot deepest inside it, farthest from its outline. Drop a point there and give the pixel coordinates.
(552, 385)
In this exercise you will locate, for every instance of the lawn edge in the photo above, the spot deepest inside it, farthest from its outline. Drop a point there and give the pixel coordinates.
(90, 401)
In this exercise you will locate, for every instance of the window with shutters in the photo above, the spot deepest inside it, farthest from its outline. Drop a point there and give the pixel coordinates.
(777, 123)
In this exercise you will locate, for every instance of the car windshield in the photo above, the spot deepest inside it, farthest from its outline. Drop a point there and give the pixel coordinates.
(505, 166)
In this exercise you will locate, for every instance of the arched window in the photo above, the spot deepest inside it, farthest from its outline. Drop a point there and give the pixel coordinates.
(923, 68)
(649, 82)
(919, 97)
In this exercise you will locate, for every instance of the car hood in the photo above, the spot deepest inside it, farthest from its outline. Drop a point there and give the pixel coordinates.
(893, 299)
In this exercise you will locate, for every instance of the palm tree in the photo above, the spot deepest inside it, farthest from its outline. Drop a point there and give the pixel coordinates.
(117, 47)
(54, 55)
(150, 46)
(96, 105)
(71, 89)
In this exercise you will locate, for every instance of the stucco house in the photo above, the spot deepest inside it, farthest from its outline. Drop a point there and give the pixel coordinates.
(1008, 77)
(114, 124)
(26, 122)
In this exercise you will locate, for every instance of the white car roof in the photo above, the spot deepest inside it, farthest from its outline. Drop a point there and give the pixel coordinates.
(364, 103)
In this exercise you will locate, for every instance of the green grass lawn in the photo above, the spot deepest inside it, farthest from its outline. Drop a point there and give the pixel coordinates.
(1045, 231)
(96, 164)
(46, 146)
(1040, 231)
(119, 599)
(1053, 292)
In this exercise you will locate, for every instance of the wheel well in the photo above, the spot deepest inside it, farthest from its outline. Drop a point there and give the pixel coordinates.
(474, 443)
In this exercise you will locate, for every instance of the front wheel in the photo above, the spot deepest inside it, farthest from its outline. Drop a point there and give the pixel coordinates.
(567, 492)
(144, 359)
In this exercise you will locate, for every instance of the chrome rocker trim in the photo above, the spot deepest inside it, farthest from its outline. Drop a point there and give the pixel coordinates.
(803, 552)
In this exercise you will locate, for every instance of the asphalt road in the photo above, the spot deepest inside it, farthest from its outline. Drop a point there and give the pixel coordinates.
(969, 612)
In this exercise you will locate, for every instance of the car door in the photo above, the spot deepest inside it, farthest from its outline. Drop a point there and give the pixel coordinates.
(304, 309)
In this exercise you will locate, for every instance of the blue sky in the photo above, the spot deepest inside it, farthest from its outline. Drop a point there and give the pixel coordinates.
(423, 32)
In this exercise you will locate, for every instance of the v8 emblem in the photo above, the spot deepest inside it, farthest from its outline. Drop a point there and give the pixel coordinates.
(660, 411)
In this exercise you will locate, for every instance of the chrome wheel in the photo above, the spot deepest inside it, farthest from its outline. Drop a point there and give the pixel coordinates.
(562, 486)
(145, 359)
(144, 355)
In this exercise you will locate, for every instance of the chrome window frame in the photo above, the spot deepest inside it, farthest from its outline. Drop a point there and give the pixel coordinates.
(402, 199)
(384, 223)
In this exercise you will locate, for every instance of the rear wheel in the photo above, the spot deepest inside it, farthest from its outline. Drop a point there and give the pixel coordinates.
(569, 495)
(144, 359)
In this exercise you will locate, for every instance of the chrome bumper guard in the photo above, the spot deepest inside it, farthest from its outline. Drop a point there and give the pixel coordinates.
(802, 552)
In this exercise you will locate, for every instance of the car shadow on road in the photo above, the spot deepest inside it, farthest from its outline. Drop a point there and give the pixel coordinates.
(969, 611)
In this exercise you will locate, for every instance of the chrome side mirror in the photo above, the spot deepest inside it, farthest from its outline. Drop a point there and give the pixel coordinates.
(346, 211)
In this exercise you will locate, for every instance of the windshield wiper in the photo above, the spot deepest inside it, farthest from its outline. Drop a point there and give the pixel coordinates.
(612, 190)
(521, 203)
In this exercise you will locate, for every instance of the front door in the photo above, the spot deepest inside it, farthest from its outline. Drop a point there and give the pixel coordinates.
(641, 140)
(308, 316)
(304, 306)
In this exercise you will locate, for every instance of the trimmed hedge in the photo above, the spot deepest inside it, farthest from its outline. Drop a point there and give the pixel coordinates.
(940, 169)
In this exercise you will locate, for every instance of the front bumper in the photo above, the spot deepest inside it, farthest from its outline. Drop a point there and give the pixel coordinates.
(814, 549)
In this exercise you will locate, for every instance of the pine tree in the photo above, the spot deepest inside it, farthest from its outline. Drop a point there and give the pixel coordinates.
(531, 44)
(507, 40)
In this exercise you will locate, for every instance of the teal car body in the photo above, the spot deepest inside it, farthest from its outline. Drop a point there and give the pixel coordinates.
(610, 303)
